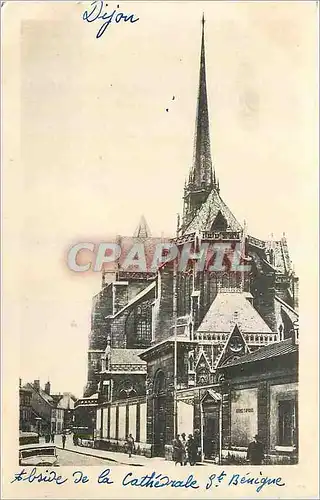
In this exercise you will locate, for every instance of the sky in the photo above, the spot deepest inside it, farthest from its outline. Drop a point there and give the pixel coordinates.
(98, 148)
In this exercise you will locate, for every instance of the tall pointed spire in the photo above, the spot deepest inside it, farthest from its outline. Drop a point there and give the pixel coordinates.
(201, 178)
(201, 172)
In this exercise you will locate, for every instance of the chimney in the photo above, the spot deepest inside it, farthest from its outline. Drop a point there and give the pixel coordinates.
(20, 382)
(36, 384)
(47, 387)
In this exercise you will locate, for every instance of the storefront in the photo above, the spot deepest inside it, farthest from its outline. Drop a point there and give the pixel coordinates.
(260, 396)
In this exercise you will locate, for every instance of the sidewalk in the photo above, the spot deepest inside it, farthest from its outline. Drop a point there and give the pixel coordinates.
(118, 458)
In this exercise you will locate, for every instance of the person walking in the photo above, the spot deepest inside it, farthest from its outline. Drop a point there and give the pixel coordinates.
(130, 445)
(52, 437)
(184, 449)
(255, 452)
(192, 450)
(177, 450)
(64, 437)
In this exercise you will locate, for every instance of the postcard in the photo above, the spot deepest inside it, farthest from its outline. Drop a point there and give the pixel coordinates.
(160, 249)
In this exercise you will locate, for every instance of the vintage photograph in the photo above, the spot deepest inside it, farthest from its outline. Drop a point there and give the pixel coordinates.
(159, 298)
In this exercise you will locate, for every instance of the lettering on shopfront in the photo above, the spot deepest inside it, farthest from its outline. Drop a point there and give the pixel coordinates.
(244, 410)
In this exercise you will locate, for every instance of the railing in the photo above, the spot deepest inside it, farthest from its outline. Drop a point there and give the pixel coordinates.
(256, 242)
(221, 235)
(126, 367)
(250, 338)
(207, 235)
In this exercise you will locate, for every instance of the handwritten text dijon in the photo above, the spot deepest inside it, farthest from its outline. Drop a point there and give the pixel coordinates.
(98, 12)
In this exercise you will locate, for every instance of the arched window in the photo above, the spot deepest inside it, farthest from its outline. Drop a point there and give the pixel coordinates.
(191, 363)
(139, 327)
(159, 382)
(126, 390)
(123, 394)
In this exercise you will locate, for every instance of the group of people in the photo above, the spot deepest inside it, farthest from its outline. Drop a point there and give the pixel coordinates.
(51, 438)
(185, 450)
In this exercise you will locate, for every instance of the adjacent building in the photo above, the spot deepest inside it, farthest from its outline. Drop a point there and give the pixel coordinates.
(43, 412)
(25, 409)
(260, 396)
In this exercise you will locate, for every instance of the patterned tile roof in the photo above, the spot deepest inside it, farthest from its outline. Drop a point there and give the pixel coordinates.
(270, 351)
(208, 212)
(230, 309)
(126, 357)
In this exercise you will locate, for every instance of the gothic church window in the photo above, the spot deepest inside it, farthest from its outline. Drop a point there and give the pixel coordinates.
(139, 326)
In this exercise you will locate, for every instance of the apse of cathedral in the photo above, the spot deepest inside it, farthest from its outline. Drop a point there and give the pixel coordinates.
(147, 324)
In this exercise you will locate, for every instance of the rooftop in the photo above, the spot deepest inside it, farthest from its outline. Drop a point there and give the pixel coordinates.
(126, 357)
(209, 211)
(270, 351)
(230, 309)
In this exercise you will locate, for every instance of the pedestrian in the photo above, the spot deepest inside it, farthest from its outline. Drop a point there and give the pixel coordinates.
(64, 437)
(130, 445)
(255, 452)
(192, 450)
(47, 438)
(75, 439)
(177, 450)
(197, 440)
(184, 448)
(52, 437)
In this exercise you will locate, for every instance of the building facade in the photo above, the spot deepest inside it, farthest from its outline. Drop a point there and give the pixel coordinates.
(25, 409)
(260, 396)
(45, 412)
(159, 338)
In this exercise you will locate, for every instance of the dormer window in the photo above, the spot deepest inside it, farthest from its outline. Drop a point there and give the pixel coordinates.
(219, 223)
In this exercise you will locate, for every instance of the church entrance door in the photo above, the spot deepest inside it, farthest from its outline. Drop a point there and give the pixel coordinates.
(211, 432)
(159, 426)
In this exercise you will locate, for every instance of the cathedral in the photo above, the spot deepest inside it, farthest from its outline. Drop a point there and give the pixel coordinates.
(160, 339)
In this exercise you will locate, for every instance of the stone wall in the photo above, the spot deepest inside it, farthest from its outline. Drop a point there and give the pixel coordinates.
(117, 420)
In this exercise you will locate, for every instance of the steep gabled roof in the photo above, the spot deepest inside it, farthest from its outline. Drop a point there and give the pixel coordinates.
(229, 309)
(235, 333)
(126, 357)
(202, 355)
(46, 397)
(209, 211)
